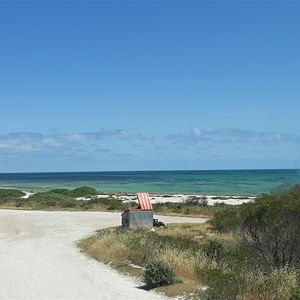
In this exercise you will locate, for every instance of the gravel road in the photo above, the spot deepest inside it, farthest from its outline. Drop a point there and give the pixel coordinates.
(39, 259)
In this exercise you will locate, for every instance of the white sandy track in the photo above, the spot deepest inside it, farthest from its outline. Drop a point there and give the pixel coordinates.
(39, 259)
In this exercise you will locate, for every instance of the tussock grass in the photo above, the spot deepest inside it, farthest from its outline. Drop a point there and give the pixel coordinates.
(193, 231)
(182, 262)
(259, 286)
(107, 249)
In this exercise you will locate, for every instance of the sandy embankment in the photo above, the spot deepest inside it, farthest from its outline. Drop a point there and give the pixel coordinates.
(39, 259)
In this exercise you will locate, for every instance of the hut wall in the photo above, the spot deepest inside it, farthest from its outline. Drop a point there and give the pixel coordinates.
(137, 218)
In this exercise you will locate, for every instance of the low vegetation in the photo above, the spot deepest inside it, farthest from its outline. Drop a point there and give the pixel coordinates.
(196, 206)
(158, 273)
(247, 252)
(86, 198)
(186, 209)
(82, 198)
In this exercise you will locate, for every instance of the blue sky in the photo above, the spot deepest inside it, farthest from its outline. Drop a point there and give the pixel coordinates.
(149, 85)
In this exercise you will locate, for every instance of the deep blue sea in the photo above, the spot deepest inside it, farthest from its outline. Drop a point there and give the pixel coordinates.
(226, 182)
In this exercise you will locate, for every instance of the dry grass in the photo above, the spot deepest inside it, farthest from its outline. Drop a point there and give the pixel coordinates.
(182, 262)
(194, 231)
(191, 214)
(182, 247)
(122, 248)
(108, 249)
(278, 285)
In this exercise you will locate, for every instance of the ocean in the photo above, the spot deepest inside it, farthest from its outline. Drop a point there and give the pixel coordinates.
(222, 182)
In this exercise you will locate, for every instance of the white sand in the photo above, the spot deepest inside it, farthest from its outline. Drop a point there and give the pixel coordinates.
(181, 198)
(27, 194)
(39, 260)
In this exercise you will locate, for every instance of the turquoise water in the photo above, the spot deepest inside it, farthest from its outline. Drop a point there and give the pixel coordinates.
(235, 182)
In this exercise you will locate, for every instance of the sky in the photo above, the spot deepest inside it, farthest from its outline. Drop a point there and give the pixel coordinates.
(149, 85)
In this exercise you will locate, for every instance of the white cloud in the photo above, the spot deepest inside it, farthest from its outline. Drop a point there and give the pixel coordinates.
(94, 143)
(238, 136)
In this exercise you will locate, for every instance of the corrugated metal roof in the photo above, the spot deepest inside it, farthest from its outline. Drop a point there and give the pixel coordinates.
(144, 201)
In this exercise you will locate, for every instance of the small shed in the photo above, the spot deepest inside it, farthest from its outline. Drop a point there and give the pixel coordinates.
(141, 216)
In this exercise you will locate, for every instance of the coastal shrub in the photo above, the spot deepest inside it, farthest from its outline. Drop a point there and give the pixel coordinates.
(271, 227)
(9, 197)
(84, 191)
(241, 274)
(20, 202)
(158, 273)
(276, 284)
(223, 284)
(10, 193)
(226, 219)
(213, 250)
(65, 192)
(115, 204)
(49, 199)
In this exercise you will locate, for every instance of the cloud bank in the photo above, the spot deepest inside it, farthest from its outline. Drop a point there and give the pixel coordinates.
(128, 148)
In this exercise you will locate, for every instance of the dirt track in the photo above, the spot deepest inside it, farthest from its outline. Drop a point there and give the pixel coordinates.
(39, 260)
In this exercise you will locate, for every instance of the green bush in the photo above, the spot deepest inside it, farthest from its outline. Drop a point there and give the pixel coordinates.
(10, 193)
(10, 196)
(84, 191)
(115, 204)
(65, 192)
(158, 273)
(222, 285)
(226, 219)
(214, 250)
(271, 227)
(49, 199)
